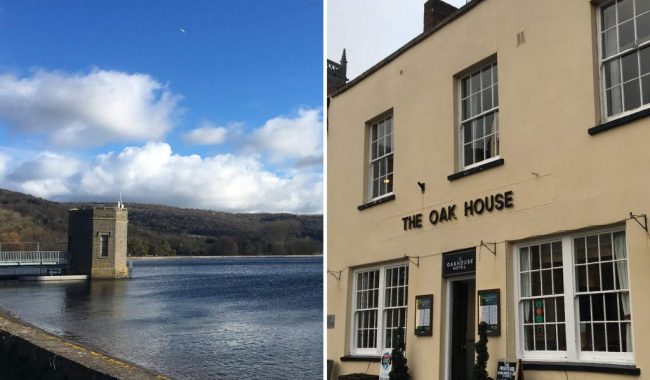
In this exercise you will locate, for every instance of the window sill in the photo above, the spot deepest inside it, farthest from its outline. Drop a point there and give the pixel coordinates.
(630, 370)
(619, 122)
(359, 358)
(475, 169)
(376, 202)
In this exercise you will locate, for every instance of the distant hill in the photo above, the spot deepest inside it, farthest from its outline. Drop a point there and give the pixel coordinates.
(162, 230)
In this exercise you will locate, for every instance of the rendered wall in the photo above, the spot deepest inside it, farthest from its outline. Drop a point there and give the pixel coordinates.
(563, 179)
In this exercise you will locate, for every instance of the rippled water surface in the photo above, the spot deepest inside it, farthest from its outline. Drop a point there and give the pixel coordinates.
(217, 318)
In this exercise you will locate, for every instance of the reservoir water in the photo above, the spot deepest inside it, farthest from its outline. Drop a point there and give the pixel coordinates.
(213, 318)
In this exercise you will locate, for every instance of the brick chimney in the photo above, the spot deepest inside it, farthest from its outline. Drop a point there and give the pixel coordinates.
(434, 12)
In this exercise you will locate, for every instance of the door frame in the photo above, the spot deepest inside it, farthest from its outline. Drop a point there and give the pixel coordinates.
(448, 284)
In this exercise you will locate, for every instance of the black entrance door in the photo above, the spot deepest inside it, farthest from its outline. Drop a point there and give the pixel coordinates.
(462, 329)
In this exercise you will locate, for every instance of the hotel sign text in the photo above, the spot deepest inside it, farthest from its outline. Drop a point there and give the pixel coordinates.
(490, 203)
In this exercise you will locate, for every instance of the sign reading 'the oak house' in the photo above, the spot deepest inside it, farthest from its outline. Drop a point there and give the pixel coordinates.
(459, 263)
(487, 204)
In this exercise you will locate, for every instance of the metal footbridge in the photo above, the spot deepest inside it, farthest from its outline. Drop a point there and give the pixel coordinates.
(31, 263)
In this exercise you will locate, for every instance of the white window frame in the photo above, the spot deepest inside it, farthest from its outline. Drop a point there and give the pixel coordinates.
(371, 161)
(381, 338)
(601, 67)
(573, 354)
(493, 110)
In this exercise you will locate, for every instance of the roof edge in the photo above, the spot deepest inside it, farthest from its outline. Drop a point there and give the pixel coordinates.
(419, 38)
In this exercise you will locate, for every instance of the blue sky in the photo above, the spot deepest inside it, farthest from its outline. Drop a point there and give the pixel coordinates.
(203, 104)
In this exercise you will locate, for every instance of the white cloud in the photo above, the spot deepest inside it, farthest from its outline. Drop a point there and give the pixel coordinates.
(288, 138)
(371, 30)
(154, 174)
(207, 134)
(87, 109)
(46, 175)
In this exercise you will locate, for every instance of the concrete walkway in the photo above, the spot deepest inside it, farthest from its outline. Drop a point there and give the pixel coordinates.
(63, 356)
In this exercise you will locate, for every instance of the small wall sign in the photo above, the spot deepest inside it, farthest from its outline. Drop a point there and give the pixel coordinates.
(386, 365)
(489, 304)
(459, 263)
(509, 370)
(423, 312)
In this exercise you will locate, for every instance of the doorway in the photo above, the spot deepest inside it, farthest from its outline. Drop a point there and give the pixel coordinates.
(461, 328)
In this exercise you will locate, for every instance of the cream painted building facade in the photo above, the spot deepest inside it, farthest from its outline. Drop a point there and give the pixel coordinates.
(503, 151)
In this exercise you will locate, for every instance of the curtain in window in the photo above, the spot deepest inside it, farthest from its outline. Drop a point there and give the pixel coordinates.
(623, 283)
(527, 305)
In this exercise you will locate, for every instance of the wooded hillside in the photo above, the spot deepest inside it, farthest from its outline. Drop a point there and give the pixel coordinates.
(163, 230)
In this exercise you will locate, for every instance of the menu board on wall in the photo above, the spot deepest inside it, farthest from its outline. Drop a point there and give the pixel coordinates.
(423, 311)
(489, 304)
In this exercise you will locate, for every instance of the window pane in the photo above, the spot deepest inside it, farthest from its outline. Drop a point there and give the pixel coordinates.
(534, 255)
(469, 154)
(486, 77)
(561, 333)
(584, 308)
(607, 273)
(546, 255)
(593, 274)
(597, 308)
(642, 6)
(630, 66)
(557, 254)
(549, 309)
(495, 92)
(389, 185)
(551, 339)
(645, 85)
(613, 337)
(610, 43)
(540, 338)
(614, 101)
(479, 150)
(612, 73)
(475, 83)
(585, 337)
(611, 307)
(632, 95)
(558, 281)
(490, 149)
(525, 285)
(524, 259)
(643, 28)
(645, 60)
(464, 88)
(581, 278)
(487, 99)
(599, 337)
(535, 282)
(547, 284)
(389, 126)
(608, 15)
(560, 310)
(374, 132)
(465, 106)
(495, 74)
(626, 35)
(475, 104)
(529, 333)
(605, 241)
(592, 248)
(478, 128)
(467, 133)
(625, 10)
(388, 144)
(579, 247)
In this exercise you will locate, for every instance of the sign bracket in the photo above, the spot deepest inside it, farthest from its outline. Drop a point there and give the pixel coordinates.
(493, 249)
(335, 274)
(637, 218)
(416, 262)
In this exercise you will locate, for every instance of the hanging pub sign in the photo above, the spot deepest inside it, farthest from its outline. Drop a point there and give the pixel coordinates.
(459, 263)
(423, 310)
(489, 305)
(469, 208)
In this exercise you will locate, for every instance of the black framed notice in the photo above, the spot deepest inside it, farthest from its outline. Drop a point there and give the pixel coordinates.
(509, 370)
(423, 313)
(459, 263)
(489, 309)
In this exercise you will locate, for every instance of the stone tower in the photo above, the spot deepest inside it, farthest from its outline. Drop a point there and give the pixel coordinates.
(97, 241)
